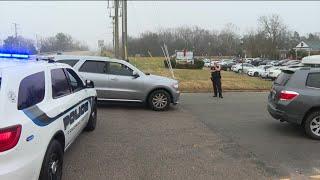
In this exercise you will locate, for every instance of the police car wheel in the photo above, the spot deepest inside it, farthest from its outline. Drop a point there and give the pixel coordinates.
(52, 163)
(93, 119)
(159, 100)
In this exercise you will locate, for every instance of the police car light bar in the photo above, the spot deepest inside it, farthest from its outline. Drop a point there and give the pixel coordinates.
(20, 56)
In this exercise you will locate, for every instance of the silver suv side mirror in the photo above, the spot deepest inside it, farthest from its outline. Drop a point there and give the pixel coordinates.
(89, 84)
(135, 74)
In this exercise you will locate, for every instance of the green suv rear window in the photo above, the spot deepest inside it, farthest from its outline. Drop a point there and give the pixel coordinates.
(283, 78)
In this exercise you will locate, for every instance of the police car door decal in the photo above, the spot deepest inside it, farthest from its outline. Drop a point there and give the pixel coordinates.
(42, 119)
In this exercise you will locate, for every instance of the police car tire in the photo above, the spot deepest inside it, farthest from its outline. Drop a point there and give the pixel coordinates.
(91, 125)
(152, 96)
(53, 153)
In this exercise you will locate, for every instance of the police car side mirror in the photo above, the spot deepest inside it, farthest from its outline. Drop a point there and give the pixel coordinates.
(89, 84)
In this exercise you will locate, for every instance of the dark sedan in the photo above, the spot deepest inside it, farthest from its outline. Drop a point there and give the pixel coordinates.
(227, 66)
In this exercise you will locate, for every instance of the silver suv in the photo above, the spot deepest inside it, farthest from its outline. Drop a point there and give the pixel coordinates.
(118, 80)
(295, 98)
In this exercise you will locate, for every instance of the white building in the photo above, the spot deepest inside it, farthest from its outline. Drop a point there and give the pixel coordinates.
(309, 46)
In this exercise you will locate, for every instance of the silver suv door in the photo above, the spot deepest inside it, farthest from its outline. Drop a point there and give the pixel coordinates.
(124, 86)
(95, 71)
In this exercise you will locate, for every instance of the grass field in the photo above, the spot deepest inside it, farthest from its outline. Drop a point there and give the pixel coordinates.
(199, 80)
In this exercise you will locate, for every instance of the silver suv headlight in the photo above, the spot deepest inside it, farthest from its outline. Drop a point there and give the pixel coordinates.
(175, 85)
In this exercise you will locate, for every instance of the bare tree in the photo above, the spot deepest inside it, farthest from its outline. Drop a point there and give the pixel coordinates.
(61, 42)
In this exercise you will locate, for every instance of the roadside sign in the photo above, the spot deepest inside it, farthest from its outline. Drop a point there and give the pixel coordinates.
(184, 55)
(100, 43)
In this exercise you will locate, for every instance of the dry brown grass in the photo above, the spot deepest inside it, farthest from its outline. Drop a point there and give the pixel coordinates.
(199, 80)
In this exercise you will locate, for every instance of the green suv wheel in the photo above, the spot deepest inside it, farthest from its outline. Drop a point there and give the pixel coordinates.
(312, 125)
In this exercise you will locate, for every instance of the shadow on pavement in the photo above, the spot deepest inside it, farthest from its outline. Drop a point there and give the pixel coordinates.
(123, 105)
(286, 129)
(128, 106)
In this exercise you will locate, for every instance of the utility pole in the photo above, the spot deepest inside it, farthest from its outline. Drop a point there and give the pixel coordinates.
(124, 31)
(112, 18)
(15, 30)
(116, 28)
(113, 45)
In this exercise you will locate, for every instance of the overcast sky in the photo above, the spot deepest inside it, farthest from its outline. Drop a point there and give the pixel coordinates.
(89, 21)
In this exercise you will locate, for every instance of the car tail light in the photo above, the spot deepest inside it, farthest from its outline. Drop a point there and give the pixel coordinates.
(288, 95)
(9, 137)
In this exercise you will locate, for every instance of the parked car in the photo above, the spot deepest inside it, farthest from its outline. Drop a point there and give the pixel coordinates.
(256, 61)
(257, 71)
(272, 62)
(248, 60)
(291, 62)
(207, 64)
(295, 98)
(270, 71)
(237, 60)
(281, 62)
(210, 64)
(227, 66)
(264, 62)
(275, 73)
(206, 60)
(241, 67)
(224, 61)
(118, 80)
(264, 75)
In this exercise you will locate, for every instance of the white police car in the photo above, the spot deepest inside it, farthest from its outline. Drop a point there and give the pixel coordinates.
(43, 108)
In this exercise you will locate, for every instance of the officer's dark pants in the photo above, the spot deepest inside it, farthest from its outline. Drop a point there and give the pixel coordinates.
(216, 82)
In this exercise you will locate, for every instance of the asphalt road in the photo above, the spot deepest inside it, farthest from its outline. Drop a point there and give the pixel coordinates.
(241, 118)
(201, 138)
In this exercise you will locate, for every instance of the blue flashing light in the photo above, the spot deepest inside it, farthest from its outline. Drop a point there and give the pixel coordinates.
(18, 56)
(22, 56)
(5, 55)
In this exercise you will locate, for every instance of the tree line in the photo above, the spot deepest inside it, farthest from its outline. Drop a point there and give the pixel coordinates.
(59, 43)
(271, 36)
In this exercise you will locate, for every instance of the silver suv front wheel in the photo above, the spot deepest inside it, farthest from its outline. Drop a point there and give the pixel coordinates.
(159, 100)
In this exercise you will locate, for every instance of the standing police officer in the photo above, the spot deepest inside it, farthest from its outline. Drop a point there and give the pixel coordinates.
(216, 80)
